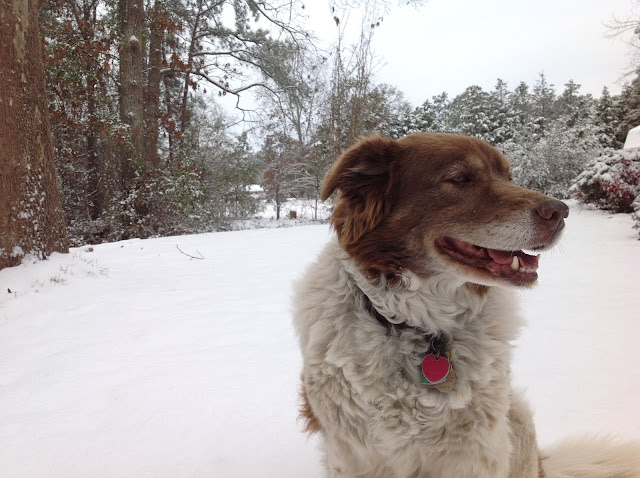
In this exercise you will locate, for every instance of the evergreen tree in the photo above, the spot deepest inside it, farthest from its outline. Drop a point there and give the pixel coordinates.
(387, 111)
(470, 113)
(631, 101)
(608, 116)
(422, 118)
(501, 115)
(573, 106)
(441, 104)
(543, 102)
(521, 106)
(238, 173)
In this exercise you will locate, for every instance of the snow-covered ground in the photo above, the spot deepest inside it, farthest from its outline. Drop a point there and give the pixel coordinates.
(307, 211)
(131, 359)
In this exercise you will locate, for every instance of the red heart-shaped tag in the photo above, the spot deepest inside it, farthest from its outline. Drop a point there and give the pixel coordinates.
(435, 369)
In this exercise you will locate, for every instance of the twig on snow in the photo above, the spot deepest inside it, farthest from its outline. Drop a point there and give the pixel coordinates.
(189, 255)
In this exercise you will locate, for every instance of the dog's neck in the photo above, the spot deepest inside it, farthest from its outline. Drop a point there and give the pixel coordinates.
(439, 303)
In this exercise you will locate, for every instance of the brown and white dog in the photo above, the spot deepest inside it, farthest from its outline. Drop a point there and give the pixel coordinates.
(405, 323)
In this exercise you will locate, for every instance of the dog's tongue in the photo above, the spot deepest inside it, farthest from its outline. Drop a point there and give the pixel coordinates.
(501, 257)
(506, 257)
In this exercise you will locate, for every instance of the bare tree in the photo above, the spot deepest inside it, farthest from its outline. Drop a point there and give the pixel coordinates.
(628, 29)
(31, 218)
(373, 6)
(224, 49)
(351, 83)
(282, 169)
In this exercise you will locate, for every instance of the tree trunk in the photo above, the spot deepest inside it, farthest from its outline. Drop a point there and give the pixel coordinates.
(167, 81)
(152, 97)
(31, 217)
(94, 159)
(184, 112)
(96, 197)
(131, 48)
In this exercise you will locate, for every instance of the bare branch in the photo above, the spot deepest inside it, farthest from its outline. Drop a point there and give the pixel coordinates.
(199, 256)
(233, 91)
(629, 29)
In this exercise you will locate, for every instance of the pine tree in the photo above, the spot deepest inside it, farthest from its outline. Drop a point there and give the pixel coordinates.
(631, 101)
(386, 111)
(240, 171)
(521, 106)
(422, 118)
(470, 113)
(543, 101)
(572, 105)
(442, 106)
(608, 115)
(500, 113)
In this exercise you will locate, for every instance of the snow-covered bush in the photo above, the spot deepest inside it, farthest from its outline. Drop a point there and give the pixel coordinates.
(611, 181)
(549, 163)
(169, 202)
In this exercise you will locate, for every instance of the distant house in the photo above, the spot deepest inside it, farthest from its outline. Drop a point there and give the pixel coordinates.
(257, 191)
(633, 138)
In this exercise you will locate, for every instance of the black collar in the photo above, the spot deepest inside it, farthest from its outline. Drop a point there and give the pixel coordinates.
(437, 343)
(381, 318)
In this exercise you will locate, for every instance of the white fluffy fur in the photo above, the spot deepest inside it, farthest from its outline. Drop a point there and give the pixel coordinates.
(592, 457)
(377, 420)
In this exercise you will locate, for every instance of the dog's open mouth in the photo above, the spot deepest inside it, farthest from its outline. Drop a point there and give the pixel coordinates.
(517, 267)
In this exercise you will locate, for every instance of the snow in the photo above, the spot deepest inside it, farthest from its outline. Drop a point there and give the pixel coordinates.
(304, 208)
(633, 138)
(131, 359)
(17, 251)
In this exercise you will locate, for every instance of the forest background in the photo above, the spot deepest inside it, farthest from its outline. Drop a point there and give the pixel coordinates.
(142, 148)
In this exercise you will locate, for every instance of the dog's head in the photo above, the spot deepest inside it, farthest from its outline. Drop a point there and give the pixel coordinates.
(435, 203)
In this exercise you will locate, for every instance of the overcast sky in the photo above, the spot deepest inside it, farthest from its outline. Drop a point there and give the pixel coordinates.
(448, 45)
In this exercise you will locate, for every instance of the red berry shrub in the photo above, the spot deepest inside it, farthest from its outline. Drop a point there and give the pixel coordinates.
(611, 181)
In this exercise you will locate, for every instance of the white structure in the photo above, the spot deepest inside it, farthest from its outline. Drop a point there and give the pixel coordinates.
(633, 138)
(257, 191)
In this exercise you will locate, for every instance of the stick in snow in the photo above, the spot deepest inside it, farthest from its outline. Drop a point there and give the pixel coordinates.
(189, 255)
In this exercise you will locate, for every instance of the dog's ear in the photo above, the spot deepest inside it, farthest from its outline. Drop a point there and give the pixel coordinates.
(363, 176)
(366, 164)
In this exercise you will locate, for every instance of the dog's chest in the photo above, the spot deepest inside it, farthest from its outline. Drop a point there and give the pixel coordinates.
(381, 369)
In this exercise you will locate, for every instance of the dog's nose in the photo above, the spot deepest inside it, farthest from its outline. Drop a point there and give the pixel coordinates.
(552, 210)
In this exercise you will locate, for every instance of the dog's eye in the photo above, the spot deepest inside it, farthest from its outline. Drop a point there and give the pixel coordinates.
(460, 179)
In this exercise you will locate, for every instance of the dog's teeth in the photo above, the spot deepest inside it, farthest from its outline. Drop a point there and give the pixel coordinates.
(515, 263)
